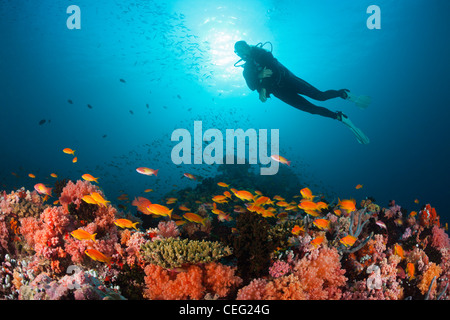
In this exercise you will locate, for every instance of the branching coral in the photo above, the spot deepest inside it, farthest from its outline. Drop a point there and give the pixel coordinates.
(174, 253)
(356, 232)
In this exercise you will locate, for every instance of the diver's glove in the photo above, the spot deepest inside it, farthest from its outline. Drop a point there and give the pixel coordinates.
(361, 102)
(360, 136)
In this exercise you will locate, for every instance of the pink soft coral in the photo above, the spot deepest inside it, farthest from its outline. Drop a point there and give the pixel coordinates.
(279, 268)
(45, 235)
(255, 290)
(440, 238)
(73, 192)
(321, 274)
(317, 276)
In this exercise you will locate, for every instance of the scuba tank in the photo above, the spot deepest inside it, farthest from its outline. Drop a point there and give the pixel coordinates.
(258, 45)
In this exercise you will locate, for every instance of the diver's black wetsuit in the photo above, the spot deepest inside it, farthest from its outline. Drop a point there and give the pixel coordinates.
(284, 85)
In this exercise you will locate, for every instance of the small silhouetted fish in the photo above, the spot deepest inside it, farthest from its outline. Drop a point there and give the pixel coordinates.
(131, 111)
(104, 136)
(178, 96)
(89, 106)
(70, 101)
(147, 106)
(189, 109)
(41, 122)
(165, 107)
(121, 80)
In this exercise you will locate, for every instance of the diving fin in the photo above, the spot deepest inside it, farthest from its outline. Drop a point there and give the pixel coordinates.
(360, 136)
(361, 102)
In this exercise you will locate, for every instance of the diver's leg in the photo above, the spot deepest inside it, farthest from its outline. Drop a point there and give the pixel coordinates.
(301, 103)
(303, 87)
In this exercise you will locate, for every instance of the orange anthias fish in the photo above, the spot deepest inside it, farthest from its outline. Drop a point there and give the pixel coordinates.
(141, 203)
(69, 151)
(317, 241)
(147, 171)
(348, 241)
(281, 159)
(297, 229)
(282, 204)
(416, 201)
(98, 198)
(183, 208)
(42, 189)
(322, 205)
(308, 205)
(87, 198)
(227, 194)
(88, 177)
(261, 201)
(224, 217)
(81, 234)
(53, 175)
(359, 186)
(411, 270)
(243, 195)
(220, 199)
(239, 209)
(193, 217)
(31, 175)
(398, 250)
(97, 256)
(222, 184)
(123, 197)
(307, 194)
(215, 210)
(125, 223)
(190, 176)
(349, 205)
(75, 160)
(322, 224)
(159, 210)
(267, 213)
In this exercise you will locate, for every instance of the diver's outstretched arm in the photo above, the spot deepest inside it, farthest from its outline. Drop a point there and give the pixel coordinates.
(263, 95)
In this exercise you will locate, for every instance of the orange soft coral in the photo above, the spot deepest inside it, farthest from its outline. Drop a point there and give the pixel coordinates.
(220, 278)
(432, 271)
(192, 283)
(161, 286)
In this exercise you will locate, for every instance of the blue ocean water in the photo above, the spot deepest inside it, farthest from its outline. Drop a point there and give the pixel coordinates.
(176, 62)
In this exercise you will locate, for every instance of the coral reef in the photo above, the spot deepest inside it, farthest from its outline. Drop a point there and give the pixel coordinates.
(267, 246)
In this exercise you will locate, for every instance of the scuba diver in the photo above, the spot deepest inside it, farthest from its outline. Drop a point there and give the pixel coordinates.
(262, 72)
